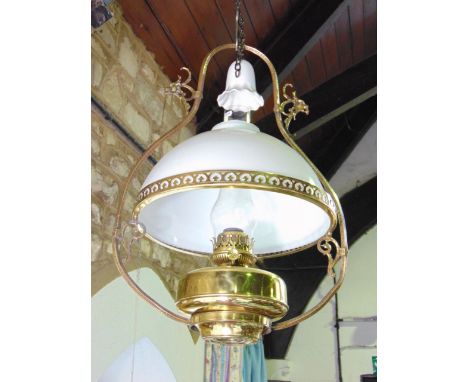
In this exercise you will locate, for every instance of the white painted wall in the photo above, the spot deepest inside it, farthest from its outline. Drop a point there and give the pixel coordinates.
(360, 166)
(312, 353)
(113, 329)
(140, 362)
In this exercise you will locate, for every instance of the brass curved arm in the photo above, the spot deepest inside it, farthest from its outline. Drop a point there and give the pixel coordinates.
(197, 96)
(197, 99)
(341, 221)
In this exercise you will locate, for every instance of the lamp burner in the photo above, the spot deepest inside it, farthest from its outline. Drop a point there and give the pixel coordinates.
(233, 247)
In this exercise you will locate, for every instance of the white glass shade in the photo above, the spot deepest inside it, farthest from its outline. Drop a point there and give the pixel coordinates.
(178, 196)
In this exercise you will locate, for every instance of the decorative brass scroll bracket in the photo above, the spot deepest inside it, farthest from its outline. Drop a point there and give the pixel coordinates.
(296, 105)
(325, 247)
(128, 236)
(177, 88)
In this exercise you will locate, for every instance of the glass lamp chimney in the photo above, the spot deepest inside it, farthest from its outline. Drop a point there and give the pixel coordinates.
(233, 210)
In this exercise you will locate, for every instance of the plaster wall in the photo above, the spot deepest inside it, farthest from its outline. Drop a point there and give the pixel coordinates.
(312, 352)
(360, 166)
(120, 318)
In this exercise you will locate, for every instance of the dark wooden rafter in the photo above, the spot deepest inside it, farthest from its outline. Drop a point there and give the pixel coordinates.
(339, 137)
(309, 41)
(286, 49)
(303, 272)
(343, 108)
(331, 99)
(295, 41)
(169, 36)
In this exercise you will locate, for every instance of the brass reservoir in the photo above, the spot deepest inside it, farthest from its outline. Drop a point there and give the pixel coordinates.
(232, 304)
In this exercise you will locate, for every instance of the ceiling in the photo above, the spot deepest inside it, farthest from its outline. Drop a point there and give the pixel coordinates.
(328, 50)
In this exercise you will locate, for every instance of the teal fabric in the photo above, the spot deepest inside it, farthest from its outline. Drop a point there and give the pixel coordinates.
(253, 363)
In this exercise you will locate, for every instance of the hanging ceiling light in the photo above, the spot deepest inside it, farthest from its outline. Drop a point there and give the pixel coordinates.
(236, 195)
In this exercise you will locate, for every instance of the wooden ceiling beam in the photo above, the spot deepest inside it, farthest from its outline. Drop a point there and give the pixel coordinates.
(295, 41)
(285, 50)
(347, 133)
(336, 112)
(331, 99)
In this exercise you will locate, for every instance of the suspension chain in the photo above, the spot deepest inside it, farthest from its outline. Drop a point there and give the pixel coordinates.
(240, 38)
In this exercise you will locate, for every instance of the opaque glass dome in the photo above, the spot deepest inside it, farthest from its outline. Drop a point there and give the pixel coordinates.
(292, 210)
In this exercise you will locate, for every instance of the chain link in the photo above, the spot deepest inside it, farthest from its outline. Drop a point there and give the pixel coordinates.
(240, 38)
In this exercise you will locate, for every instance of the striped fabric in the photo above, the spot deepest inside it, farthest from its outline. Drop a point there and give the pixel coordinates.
(234, 363)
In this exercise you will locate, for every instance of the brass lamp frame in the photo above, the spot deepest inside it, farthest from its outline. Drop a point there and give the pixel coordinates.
(327, 245)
